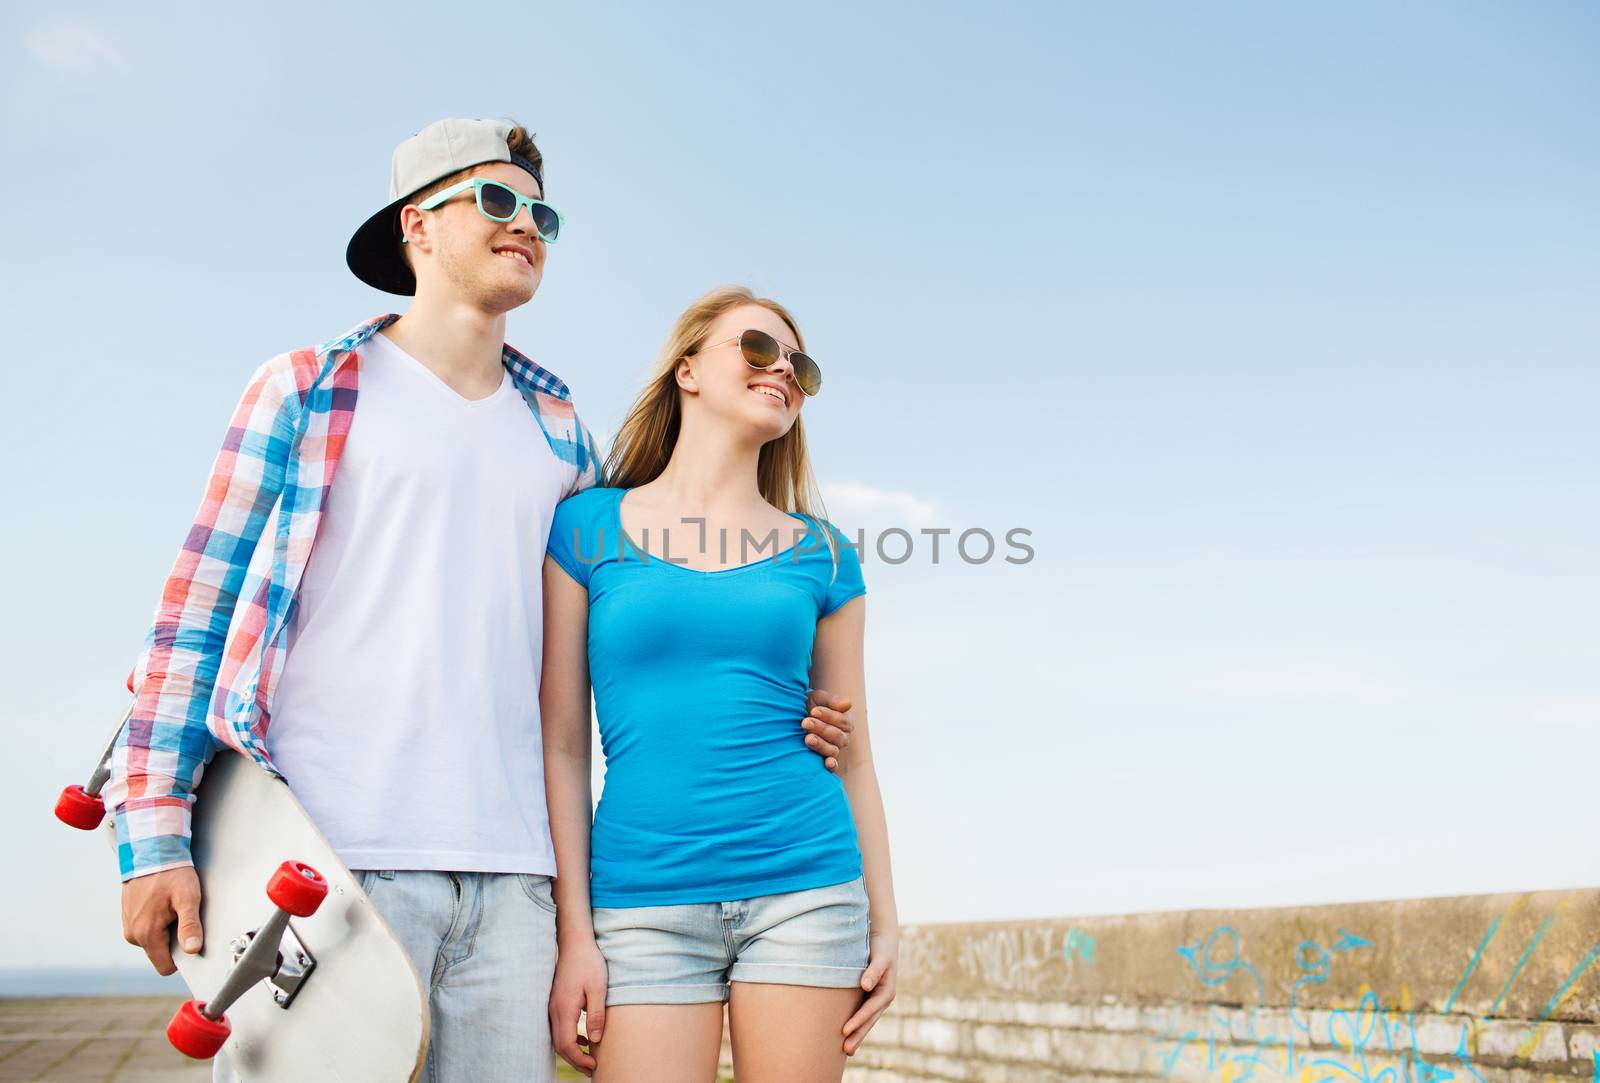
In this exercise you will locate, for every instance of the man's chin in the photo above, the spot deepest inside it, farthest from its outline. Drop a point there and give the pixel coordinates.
(502, 296)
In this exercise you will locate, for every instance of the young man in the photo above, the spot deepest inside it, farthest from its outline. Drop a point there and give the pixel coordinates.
(370, 585)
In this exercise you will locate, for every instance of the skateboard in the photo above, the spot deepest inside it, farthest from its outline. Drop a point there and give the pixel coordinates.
(300, 975)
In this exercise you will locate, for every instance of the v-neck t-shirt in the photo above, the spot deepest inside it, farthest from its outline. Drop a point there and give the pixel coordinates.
(700, 679)
(406, 718)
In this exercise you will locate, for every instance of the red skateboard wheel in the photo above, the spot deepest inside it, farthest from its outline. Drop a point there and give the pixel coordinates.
(78, 808)
(193, 1035)
(297, 888)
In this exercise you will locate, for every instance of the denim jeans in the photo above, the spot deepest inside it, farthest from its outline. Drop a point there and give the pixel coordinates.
(484, 944)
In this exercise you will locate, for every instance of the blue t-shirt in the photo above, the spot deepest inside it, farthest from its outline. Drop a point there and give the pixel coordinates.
(700, 684)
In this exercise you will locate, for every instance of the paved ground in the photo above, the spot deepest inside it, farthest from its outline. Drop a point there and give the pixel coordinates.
(101, 1040)
(92, 1040)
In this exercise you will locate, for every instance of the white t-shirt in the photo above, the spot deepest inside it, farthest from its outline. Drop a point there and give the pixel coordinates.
(406, 719)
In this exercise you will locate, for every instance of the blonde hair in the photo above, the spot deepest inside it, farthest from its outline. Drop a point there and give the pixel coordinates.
(644, 443)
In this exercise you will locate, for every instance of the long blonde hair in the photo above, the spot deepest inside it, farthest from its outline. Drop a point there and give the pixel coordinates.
(644, 443)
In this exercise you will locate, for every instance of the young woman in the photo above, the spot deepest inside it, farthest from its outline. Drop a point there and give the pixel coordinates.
(702, 600)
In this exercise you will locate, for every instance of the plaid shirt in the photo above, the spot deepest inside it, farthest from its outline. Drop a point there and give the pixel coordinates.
(216, 648)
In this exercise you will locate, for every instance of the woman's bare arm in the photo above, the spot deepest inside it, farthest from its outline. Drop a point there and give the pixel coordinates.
(564, 712)
(579, 987)
(837, 663)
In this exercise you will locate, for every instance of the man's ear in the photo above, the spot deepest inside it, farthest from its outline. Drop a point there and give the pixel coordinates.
(414, 229)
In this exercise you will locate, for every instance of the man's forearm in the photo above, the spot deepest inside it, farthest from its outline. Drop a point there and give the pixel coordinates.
(155, 766)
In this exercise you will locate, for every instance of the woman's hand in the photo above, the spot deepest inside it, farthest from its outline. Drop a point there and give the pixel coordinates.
(579, 986)
(878, 982)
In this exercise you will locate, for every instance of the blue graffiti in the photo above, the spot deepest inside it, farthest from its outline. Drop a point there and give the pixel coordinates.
(1354, 1038)
(1465, 1056)
(1357, 1035)
(1354, 1033)
(1346, 942)
(1219, 957)
(1078, 943)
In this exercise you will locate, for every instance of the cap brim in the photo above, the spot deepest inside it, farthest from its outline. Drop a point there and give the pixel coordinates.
(373, 254)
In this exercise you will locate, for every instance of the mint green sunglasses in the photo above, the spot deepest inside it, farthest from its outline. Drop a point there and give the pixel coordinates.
(499, 203)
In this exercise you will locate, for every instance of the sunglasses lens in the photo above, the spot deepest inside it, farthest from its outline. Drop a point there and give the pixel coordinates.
(806, 373)
(760, 349)
(545, 221)
(498, 201)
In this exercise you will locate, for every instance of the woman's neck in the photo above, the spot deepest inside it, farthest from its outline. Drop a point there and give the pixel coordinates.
(710, 472)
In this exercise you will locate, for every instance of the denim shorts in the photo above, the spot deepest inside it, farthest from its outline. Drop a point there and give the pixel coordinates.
(687, 953)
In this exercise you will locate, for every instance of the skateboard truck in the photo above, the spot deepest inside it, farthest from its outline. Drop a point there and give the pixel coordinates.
(294, 962)
(273, 952)
(81, 806)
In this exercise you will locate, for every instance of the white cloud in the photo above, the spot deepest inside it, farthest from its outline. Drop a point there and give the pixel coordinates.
(855, 502)
(72, 47)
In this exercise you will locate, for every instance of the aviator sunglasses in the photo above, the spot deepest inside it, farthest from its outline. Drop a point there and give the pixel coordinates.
(499, 203)
(761, 351)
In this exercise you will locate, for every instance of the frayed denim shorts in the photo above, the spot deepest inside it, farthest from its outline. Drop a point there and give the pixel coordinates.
(687, 953)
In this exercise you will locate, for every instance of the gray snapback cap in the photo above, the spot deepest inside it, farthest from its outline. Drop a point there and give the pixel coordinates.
(442, 148)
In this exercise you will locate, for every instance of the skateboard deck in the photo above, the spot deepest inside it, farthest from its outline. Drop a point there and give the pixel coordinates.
(358, 1012)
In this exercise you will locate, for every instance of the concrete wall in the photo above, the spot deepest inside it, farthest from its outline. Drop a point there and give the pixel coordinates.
(1487, 988)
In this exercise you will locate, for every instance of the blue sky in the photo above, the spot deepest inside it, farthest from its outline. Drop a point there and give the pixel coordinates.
(1275, 325)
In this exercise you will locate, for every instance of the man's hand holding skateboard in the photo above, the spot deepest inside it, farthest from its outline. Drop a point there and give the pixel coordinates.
(150, 904)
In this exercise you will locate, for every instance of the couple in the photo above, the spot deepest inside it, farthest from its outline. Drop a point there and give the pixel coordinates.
(423, 630)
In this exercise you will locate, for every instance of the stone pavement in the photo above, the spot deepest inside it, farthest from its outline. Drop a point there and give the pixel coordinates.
(101, 1040)
(92, 1040)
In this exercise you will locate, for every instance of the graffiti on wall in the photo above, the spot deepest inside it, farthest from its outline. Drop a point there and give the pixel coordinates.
(1021, 959)
(1078, 949)
(1371, 1042)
